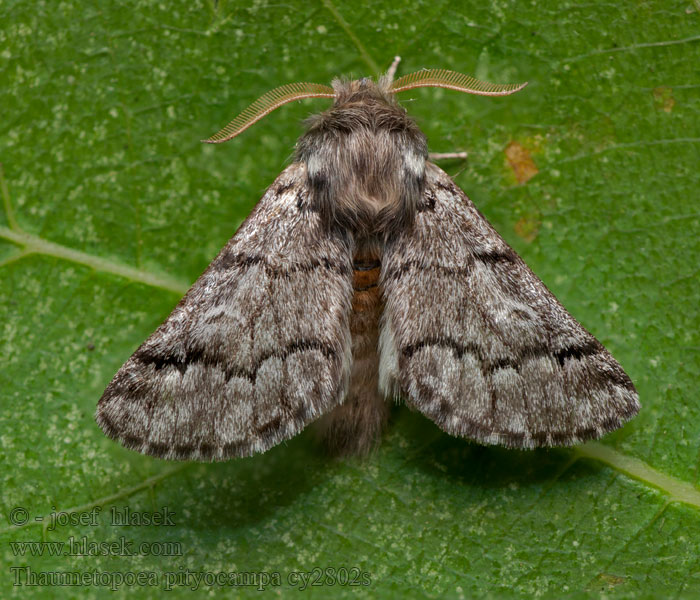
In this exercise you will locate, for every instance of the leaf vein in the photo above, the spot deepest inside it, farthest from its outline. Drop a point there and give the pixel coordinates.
(32, 244)
(676, 489)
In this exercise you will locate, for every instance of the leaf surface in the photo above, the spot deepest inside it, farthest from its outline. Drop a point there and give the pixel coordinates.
(112, 207)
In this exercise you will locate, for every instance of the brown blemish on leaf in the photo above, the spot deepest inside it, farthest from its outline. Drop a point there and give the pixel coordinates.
(521, 162)
(527, 227)
(663, 98)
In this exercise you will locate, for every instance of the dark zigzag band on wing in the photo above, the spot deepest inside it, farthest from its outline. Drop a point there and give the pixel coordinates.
(488, 366)
(295, 415)
(491, 257)
(299, 415)
(506, 393)
(230, 260)
(203, 356)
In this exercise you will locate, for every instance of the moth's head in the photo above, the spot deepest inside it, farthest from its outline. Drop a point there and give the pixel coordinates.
(353, 91)
(365, 90)
(364, 156)
(360, 105)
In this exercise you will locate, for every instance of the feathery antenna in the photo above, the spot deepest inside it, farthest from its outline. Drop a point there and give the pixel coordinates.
(453, 81)
(266, 104)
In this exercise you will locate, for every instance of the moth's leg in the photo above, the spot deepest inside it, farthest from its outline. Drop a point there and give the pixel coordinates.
(391, 73)
(356, 425)
(433, 156)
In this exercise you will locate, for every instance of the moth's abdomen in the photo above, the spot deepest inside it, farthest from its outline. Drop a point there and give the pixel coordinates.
(365, 281)
(356, 425)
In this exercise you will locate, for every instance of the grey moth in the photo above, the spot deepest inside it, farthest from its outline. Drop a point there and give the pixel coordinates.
(363, 276)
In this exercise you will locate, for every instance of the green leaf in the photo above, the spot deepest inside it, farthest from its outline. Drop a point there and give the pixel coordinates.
(112, 208)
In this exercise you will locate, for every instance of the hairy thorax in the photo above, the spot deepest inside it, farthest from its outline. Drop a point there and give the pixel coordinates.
(365, 160)
(365, 167)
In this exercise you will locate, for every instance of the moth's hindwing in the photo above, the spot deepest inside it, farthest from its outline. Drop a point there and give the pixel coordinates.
(476, 342)
(258, 348)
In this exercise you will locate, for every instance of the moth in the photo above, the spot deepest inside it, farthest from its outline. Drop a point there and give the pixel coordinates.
(363, 275)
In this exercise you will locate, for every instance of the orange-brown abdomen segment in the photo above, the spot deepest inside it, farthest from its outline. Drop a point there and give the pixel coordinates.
(355, 426)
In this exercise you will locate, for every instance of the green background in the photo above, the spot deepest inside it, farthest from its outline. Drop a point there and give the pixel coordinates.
(112, 207)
